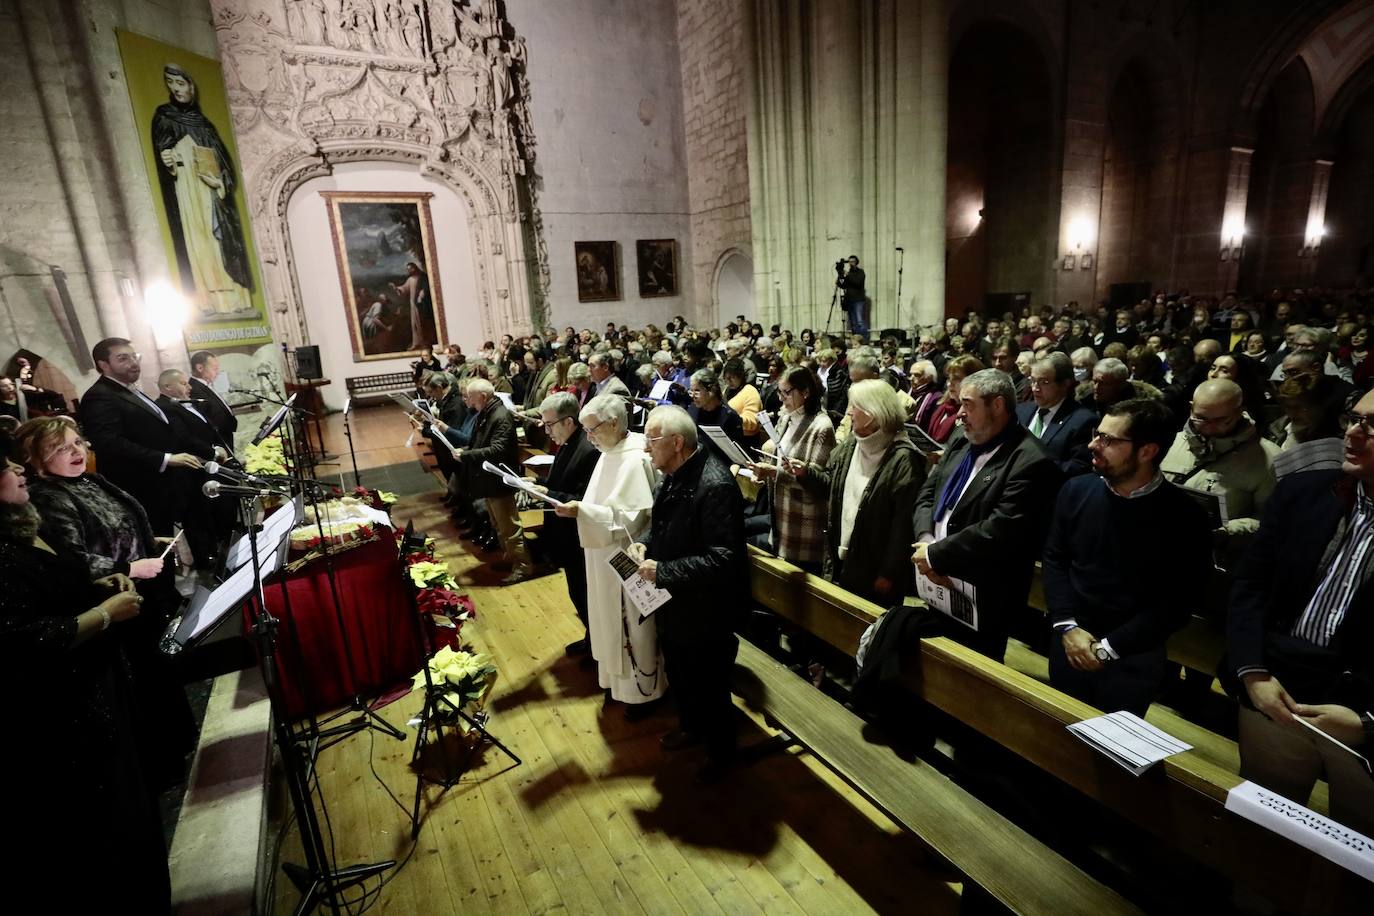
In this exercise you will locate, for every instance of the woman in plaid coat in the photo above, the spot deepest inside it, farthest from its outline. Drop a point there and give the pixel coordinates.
(807, 436)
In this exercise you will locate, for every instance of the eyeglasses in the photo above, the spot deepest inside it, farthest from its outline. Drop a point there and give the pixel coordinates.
(591, 430)
(785, 391)
(1105, 439)
(548, 426)
(1351, 419)
(652, 439)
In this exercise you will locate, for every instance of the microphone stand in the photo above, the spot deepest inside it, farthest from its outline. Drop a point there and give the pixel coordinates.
(316, 880)
(348, 433)
(901, 260)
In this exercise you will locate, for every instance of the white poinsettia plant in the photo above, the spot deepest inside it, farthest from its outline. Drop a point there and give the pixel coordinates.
(462, 674)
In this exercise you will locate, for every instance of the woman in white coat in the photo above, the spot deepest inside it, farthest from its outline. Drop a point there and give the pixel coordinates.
(612, 514)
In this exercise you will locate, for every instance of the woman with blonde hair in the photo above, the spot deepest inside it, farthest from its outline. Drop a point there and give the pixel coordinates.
(871, 479)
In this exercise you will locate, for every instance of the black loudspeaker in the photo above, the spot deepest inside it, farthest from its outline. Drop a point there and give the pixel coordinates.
(308, 363)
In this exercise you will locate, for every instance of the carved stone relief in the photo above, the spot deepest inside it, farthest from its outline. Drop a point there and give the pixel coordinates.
(438, 83)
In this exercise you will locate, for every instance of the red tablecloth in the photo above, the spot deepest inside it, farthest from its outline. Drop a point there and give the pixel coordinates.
(316, 675)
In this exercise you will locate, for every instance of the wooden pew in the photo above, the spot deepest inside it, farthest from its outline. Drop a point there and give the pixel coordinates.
(1181, 801)
(1010, 865)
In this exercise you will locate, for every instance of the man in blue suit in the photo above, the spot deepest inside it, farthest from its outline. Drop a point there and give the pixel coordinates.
(1054, 417)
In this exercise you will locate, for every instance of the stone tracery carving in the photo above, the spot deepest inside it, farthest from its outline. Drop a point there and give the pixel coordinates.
(438, 83)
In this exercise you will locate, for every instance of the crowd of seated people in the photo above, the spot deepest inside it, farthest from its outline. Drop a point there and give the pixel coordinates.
(1095, 436)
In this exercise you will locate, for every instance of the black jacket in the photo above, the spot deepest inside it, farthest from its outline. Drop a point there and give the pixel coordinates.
(836, 399)
(195, 434)
(697, 538)
(1066, 439)
(493, 439)
(996, 530)
(568, 478)
(1274, 584)
(213, 408)
(131, 441)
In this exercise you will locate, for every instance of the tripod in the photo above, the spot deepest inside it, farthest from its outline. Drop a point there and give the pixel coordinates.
(830, 316)
(436, 703)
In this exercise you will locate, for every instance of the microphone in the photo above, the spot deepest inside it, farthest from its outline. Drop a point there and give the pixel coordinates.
(191, 400)
(900, 248)
(214, 468)
(213, 489)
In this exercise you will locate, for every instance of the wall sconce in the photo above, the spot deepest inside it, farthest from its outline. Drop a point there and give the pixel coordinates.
(1312, 245)
(1079, 235)
(1232, 240)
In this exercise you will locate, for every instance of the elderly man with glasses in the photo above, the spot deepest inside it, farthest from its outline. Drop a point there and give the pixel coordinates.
(1300, 633)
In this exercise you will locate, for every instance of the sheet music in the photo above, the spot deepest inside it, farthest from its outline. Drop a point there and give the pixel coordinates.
(510, 478)
(767, 423)
(1128, 740)
(733, 453)
(208, 608)
(507, 400)
(660, 390)
(959, 603)
(643, 594)
(538, 461)
(1316, 455)
(1213, 501)
(413, 405)
(277, 526)
(1359, 758)
(922, 439)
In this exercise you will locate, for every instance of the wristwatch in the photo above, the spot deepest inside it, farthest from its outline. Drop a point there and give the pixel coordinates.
(1100, 651)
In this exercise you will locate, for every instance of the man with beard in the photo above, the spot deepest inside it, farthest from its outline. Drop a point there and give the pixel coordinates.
(198, 184)
(1102, 563)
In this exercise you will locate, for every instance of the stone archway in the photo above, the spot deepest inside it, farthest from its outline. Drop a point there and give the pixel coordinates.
(732, 286)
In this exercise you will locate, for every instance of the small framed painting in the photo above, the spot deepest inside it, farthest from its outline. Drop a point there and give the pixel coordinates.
(656, 261)
(598, 271)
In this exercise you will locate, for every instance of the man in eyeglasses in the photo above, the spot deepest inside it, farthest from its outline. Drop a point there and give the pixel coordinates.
(1219, 450)
(134, 441)
(1111, 618)
(1300, 633)
(569, 475)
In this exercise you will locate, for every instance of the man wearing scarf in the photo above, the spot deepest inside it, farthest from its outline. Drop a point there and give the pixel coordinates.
(983, 512)
(198, 182)
(1219, 450)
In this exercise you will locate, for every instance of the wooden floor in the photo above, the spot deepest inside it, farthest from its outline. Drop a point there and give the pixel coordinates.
(597, 819)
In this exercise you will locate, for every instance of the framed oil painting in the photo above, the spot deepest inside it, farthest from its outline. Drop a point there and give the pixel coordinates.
(656, 261)
(598, 271)
(384, 246)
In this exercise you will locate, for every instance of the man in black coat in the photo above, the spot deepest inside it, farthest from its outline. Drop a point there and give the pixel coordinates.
(1300, 632)
(982, 514)
(136, 445)
(696, 551)
(1054, 417)
(204, 521)
(568, 478)
(204, 371)
(493, 440)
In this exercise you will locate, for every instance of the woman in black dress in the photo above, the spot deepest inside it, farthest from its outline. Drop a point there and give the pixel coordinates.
(85, 825)
(107, 531)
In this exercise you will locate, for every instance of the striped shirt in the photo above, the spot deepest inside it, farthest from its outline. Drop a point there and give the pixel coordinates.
(1324, 613)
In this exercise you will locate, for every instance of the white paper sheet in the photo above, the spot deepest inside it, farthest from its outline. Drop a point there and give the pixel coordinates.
(538, 461)
(1307, 828)
(507, 400)
(660, 390)
(733, 453)
(959, 603)
(643, 594)
(1128, 740)
(1316, 455)
(767, 423)
(276, 527)
(1323, 736)
(510, 478)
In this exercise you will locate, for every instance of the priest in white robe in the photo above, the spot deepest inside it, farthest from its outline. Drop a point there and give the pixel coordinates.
(612, 514)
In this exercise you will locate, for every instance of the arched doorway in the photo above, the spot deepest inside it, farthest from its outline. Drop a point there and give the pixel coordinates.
(998, 168)
(734, 286)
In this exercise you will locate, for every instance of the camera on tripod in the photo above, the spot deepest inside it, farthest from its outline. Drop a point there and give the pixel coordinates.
(839, 266)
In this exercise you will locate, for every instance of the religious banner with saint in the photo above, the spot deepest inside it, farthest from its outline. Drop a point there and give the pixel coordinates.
(185, 132)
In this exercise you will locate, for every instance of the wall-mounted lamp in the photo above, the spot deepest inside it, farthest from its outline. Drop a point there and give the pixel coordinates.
(1079, 236)
(166, 311)
(1312, 244)
(1232, 239)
